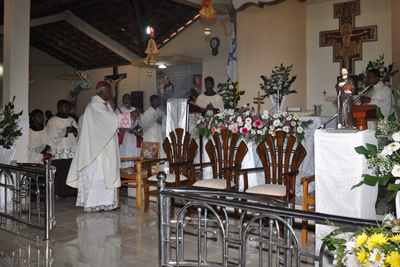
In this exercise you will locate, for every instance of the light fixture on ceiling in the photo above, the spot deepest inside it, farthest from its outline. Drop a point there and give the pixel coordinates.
(162, 66)
(207, 31)
(149, 73)
(148, 29)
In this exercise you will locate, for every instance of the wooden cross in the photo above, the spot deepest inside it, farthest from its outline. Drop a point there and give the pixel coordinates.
(258, 100)
(114, 80)
(347, 41)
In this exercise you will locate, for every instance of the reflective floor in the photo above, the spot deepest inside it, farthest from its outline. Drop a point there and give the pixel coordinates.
(127, 237)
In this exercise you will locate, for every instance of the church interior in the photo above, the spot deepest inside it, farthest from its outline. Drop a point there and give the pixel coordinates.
(57, 41)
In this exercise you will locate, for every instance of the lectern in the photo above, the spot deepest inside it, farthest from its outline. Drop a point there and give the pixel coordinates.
(361, 113)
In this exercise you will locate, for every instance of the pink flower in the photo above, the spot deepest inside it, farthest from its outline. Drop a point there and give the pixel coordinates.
(256, 118)
(258, 123)
(244, 131)
(234, 129)
(222, 126)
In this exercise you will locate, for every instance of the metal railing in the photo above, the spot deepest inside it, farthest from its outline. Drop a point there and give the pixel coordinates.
(27, 195)
(267, 237)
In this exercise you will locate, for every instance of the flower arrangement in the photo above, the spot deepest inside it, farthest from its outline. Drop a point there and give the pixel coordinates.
(230, 93)
(9, 130)
(379, 64)
(278, 84)
(252, 126)
(373, 246)
(384, 161)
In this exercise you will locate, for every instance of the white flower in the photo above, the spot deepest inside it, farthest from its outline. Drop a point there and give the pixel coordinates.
(264, 116)
(275, 88)
(272, 127)
(276, 115)
(279, 129)
(293, 123)
(289, 118)
(352, 260)
(240, 124)
(231, 103)
(266, 112)
(259, 131)
(230, 127)
(386, 151)
(376, 257)
(262, 132)
(285, 114)
(277, 122)
(393, 146)
(230, 86)
(396, 170)
(247, 113)
(350, 246)
(299, 129)
(281, 124)
(396, 137)
(239, 119)
(270, 131)
(248, 120)
(253, 131)
(218, 130)
(286, 128)
(280, 112)
(248, 126)
(296, 117)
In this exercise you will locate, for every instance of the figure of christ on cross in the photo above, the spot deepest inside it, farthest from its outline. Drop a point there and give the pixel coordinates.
(347, 40)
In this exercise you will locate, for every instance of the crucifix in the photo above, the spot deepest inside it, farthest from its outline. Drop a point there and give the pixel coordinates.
(114, 80)
(258, 100)
(347, 41)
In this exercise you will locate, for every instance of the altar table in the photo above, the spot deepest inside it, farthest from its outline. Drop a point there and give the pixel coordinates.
(337, 168)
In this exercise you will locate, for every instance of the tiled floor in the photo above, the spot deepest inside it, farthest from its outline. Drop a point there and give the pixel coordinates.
(127, 237)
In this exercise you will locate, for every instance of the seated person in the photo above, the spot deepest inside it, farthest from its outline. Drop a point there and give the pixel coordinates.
(210, 100)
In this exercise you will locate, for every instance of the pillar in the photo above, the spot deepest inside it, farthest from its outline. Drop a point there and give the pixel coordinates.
(16, 66)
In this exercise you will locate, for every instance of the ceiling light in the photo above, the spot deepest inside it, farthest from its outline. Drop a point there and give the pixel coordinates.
(148, 30)
(162, 66)
(122, 29)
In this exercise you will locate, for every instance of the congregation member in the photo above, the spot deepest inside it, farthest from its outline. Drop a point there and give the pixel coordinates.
(62, 132)
(152, 122)
(49, 115)
(381, 95)
(210, 100)
(129, 143)
(38, 147)
(95, 167)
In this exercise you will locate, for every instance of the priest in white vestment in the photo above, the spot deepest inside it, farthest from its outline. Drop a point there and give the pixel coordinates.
(210, 100)
(130, 146)
(152, 122)
(381, 95)
(95, 167)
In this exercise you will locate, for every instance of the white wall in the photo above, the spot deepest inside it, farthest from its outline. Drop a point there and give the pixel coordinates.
(322, 72)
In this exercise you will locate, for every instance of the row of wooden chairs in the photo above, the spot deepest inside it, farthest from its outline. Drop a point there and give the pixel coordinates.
(279, 159)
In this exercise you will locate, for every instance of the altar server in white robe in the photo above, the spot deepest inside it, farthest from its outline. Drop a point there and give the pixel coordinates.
(153, 122)
(381, 95)
(130, 146)
(95, 167)
(210, 100)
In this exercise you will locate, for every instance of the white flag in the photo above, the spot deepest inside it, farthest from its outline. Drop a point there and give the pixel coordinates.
(232, 69)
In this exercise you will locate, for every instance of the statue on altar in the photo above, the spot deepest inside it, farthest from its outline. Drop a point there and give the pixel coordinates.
(345, 89)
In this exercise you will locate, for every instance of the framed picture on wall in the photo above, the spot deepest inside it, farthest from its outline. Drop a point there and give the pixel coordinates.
(197, 80)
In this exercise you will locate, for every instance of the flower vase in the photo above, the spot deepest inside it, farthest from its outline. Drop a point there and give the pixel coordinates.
(274, 100)
(6, 156)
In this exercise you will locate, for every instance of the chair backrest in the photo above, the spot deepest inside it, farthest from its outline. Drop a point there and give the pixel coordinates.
(179, 149)
(150, 150)
(280, 157)
(226, 153)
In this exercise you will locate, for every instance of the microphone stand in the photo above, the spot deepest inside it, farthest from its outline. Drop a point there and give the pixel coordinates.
(363, 93)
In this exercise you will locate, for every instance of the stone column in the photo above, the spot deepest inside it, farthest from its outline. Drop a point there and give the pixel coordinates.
(16, 65)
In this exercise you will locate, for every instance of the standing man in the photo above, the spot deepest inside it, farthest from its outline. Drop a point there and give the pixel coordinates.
(381, 95)
(131, 144)
(95, 167)
(152, 122)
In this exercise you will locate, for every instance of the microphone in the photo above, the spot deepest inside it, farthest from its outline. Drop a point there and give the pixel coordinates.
(367, 89)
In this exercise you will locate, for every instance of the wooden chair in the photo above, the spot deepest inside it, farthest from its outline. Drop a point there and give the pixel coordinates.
(308, 199)
(180, 152)
(280, 166)
(225, 158)
(133, 176)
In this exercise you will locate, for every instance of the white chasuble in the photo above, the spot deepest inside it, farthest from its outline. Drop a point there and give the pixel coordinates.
(95, 166)
(382, 96)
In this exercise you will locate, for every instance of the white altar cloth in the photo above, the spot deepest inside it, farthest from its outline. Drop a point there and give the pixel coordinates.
(337, 168)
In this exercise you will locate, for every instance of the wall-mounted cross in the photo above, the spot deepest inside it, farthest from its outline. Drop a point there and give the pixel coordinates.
(347, 41)
(114, 80)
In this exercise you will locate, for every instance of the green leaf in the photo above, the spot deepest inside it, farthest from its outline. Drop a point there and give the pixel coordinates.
(378, 112)
(372, 148)
(369, 179)
(392, 117)
(393, 186)
(362, 150)
(383, 180)
(379, 134)
(357, 185)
